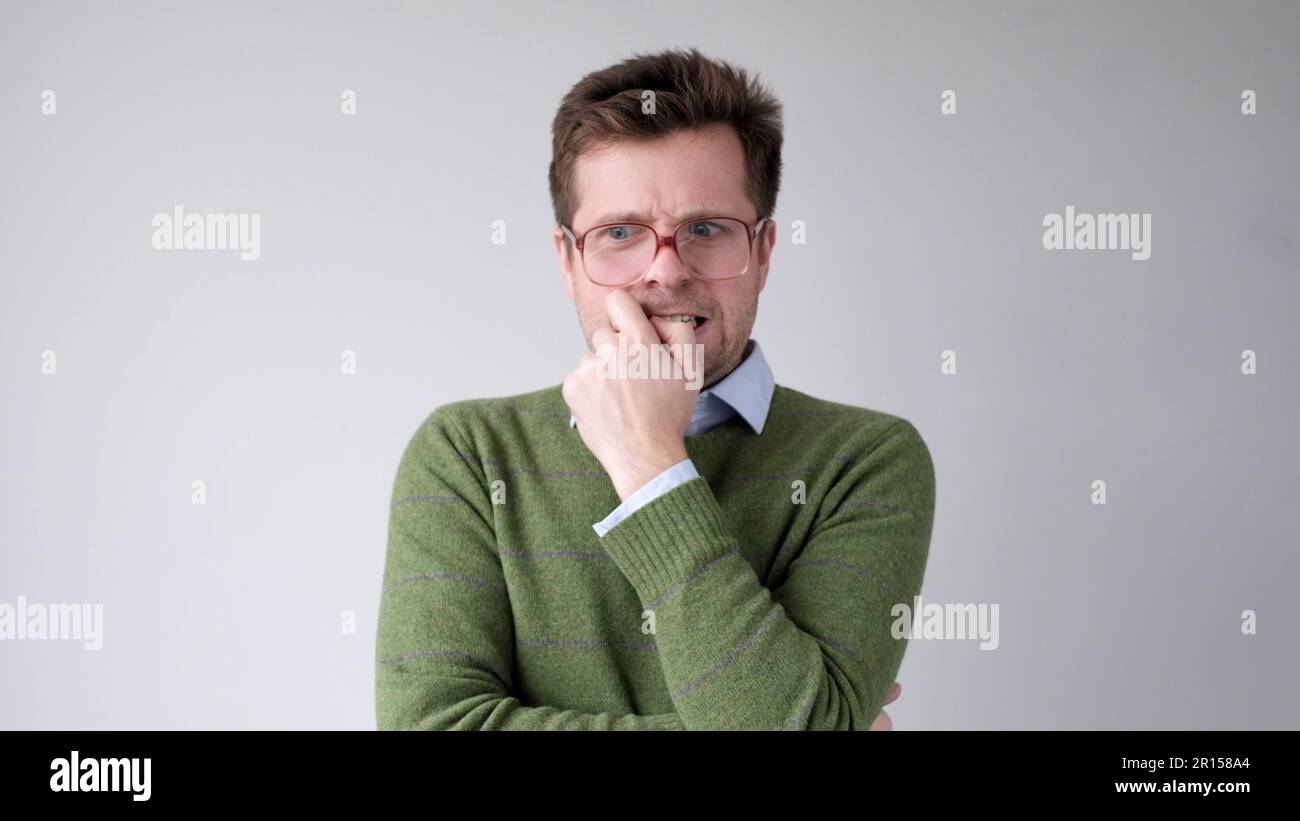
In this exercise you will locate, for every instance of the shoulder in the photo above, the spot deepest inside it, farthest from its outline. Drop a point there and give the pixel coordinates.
(796, 413)
(863, 443)
(490, 418)
(881, 453)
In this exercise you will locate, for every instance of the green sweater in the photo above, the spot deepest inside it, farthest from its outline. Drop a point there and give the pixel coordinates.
(757, 596)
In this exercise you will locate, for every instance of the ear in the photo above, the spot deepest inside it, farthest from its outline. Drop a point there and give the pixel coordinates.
(565, 260)
(766, 241)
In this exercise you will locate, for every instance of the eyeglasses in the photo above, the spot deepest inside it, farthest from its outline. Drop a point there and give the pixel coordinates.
(617, 254)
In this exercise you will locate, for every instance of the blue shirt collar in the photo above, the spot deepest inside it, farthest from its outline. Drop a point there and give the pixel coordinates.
(747, 390)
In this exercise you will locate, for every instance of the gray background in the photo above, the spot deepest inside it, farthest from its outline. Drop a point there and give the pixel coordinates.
(924, 234)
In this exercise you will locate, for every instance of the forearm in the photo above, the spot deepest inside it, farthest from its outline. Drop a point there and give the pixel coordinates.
(814, 652)
(732, 656)
(410, 701)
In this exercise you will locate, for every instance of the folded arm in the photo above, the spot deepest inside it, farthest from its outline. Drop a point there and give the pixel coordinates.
(817, 650)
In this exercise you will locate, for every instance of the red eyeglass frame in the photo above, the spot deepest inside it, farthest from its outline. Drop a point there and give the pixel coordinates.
(660, 242)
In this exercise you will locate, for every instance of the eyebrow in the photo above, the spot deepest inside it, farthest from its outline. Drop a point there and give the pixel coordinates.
(632, 216)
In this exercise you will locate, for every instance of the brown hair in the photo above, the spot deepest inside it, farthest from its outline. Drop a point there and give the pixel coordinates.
(690, 91)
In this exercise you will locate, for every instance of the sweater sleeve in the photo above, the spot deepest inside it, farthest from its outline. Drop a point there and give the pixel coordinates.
(445, 644)
(814, 652)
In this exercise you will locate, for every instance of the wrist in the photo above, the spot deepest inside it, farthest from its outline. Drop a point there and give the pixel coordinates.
(636, 474)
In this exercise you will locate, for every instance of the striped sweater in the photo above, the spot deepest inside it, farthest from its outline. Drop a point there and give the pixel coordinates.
(757, 596)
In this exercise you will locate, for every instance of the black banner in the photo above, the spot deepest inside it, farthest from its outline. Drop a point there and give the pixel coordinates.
(1220, 770)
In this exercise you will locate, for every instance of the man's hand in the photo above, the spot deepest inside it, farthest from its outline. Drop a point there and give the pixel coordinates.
(634, 427)
(883, 721)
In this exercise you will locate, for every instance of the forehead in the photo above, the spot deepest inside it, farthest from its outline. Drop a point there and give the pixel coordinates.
(664, 178)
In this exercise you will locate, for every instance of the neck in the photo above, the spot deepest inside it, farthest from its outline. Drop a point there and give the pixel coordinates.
(749, 347)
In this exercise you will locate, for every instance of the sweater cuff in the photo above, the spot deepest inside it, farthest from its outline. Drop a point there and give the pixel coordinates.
(679, 473)
(671, 537)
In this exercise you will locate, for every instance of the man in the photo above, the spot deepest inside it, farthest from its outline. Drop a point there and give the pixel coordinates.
(632, 552)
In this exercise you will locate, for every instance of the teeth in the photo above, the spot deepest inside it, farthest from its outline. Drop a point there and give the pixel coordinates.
(682, 318)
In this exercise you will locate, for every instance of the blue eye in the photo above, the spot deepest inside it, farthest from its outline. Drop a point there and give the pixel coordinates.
(710, 229)
(620, 232)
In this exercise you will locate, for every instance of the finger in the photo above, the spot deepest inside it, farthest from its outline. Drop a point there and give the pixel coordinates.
(894, 693)
(626, 317)
(674, 332)
(569, 389)
(602, 336)
(680, 338)
(686, 353)
(883, 722)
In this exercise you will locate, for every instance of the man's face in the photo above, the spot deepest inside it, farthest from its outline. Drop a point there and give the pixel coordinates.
(664, 181)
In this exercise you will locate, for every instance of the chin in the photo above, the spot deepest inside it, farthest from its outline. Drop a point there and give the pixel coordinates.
(714, 369)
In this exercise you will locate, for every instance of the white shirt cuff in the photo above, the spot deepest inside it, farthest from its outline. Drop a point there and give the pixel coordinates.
(678, 474)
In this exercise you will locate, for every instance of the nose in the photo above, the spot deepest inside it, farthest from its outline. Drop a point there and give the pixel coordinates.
(666, 269)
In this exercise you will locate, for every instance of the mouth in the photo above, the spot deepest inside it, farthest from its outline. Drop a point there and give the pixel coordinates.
(695, 321)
